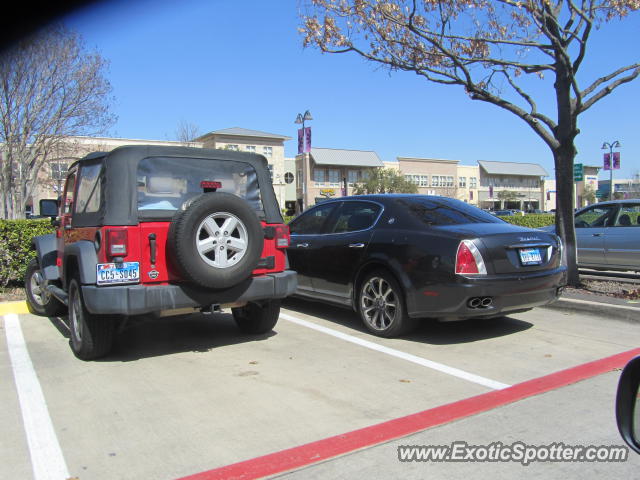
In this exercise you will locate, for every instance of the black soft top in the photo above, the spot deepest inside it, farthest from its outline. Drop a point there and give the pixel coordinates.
(119, 205)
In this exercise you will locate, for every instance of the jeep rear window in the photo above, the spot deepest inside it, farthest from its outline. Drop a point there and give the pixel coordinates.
(164, 184)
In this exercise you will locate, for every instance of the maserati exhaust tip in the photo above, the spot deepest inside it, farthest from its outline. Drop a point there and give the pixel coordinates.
(474, 302)
(480, 302)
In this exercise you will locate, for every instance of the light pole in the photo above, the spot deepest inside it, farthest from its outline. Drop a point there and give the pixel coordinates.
(300, 119)
(611, 146)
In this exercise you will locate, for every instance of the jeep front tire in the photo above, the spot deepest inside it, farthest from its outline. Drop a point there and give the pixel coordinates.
(39, 300)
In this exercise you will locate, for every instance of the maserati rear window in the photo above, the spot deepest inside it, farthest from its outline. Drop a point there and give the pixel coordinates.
(434, 211)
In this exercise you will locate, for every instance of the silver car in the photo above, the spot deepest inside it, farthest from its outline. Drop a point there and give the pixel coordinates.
(608, 235)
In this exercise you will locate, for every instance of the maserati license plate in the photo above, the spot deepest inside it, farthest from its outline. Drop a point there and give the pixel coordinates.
(530, 256)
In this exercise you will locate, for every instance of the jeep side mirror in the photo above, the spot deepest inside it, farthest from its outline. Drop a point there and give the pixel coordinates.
(49, 207)
(628, 404)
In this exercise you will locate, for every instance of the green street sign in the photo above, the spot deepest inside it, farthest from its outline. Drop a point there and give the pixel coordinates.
(578, 172)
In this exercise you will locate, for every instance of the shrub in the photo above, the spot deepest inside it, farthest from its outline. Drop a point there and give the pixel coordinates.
(15, 247)
(531, 221)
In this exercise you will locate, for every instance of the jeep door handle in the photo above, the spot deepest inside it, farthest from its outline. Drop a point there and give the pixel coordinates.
(302, 245)
(356, 245)
(596, 234)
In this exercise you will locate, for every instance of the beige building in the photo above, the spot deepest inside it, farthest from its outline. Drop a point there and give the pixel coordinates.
(549, 202)
(393, 165)
(321, 174)
(468, 183)
(290, 186)
(584, 190)
(432, 176)
(511, 185)
(270, 145)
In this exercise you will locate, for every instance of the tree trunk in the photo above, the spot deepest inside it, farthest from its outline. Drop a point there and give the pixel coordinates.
(563, 159)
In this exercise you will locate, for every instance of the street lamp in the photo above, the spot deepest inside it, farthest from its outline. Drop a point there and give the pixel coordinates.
(611, 146)
(303, 117)
(300, 119)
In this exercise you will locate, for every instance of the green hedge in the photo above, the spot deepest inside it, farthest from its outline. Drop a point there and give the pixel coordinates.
(15, 247)
(531, 221)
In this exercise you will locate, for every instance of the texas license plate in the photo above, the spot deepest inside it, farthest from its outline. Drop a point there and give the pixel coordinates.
(110, 273)
(530, 256)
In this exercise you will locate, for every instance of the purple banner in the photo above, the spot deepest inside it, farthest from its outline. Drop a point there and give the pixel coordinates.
(616, 160)
(490, 191)
(307, 139)
(607, 161)
(300, 141)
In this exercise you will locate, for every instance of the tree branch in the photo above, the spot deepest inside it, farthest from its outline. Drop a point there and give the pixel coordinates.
(611, 87)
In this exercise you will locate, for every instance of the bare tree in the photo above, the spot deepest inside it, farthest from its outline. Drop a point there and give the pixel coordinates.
(489, 48)
(51, 88)
(186, 131)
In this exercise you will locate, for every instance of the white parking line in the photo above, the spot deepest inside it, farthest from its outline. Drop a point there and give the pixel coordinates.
(487, 382)
(46, 456)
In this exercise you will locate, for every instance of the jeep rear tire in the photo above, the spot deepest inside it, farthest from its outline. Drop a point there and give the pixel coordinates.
(91, 335)
(257, 317)
(39, 300)
(217, 241)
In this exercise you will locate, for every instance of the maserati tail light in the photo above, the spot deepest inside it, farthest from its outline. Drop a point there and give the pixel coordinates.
(469, 260)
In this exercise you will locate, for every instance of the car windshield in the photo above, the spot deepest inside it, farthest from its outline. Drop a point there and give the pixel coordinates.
(445, 212)
(165, 183)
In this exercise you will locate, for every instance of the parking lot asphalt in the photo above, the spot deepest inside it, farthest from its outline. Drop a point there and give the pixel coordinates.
(186, 395)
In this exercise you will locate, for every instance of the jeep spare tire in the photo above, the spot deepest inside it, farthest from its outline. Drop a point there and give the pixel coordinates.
(217, 241)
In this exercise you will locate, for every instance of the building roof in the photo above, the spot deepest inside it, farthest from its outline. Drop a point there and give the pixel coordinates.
(513, 168)
(347, 158)
(244, 132)
(426, 160)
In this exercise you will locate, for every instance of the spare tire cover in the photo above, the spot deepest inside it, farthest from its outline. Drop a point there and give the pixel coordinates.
(217, 241)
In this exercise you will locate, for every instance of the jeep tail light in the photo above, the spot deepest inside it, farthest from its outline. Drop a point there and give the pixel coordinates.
(283, 237)
(469, 259)
(117, 242)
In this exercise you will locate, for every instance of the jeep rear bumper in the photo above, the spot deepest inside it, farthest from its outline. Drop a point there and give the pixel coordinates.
(139, 299)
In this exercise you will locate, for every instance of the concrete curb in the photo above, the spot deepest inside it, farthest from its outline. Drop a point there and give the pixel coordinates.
(606, 310)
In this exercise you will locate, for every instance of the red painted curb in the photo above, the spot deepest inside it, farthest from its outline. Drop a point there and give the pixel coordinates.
(320, 450)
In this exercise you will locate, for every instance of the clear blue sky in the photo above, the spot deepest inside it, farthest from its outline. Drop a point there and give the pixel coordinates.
(227, 63)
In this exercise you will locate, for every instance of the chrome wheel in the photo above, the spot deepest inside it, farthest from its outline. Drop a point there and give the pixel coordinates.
(38, 292)
(379, 303)
(222, 240)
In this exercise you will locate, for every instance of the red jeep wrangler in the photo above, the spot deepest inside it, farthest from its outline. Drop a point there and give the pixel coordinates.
(170, 230)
